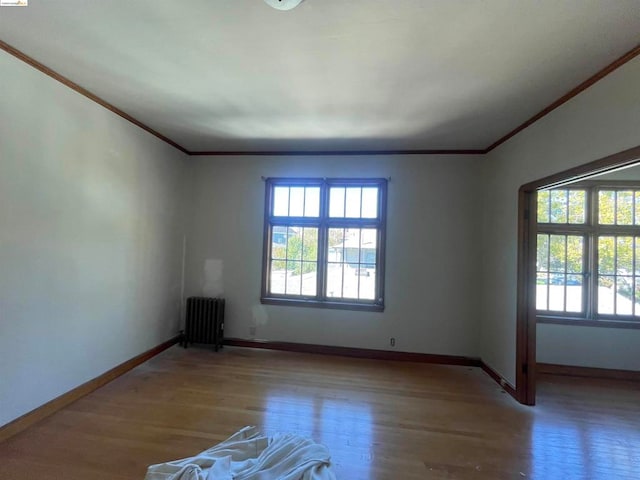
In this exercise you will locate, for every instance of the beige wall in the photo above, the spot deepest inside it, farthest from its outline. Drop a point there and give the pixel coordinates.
(432, 264)
(603, 120)
(90, 239)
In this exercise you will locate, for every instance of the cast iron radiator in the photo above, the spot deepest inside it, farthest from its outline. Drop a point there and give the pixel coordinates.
(204, 321)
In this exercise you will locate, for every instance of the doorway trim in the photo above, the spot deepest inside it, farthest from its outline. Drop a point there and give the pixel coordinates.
(525, 308)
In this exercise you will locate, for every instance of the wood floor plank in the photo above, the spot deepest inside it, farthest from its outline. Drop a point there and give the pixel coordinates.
(379, 419)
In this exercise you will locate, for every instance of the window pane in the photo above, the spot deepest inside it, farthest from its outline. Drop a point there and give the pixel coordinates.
(294, 243)
(542, 280)
(624, 254)
(336, 258)
(543, 206)
(351, 281)
(310, 244)
(352, 246)
(352, 268)
(624, 295)
(370, 202)
(637, 241)
(556, 292)
(368, 245)
(559, 206)
(278, 276)
(336, 245)
(606, 255)
(606, 207)
(304, 246)
(575, 254)
(296, 202)
(605, 294)
(636, 311)
(335, 272)
(292, 281)
(562, 206)
(557, 253)
(281, 201)
(367, 282)
(574, 293)
(353, 202)
(294, 253)
(617, 265)
(309, 278)
(637, 208)
(562, 289)
(279, 243)
(312, 202)
(336, 201)
(577, 206)
(624, 208)
(543, 253)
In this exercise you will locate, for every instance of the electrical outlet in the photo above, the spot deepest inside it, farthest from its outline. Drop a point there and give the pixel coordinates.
(392, 341)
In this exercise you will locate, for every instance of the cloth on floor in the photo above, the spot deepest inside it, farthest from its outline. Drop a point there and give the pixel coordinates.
(248, 455)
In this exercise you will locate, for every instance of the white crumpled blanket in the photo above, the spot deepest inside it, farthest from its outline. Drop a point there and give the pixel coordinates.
(247, 455)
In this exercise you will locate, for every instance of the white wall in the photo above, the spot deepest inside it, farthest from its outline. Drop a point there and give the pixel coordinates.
(588, 346)
(432, 264)
(603, 120)
(90, 239)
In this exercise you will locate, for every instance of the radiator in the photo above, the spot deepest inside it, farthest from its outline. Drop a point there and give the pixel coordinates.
(204, 321)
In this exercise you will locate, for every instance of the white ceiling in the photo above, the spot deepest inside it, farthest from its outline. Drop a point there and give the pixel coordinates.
(221, 75)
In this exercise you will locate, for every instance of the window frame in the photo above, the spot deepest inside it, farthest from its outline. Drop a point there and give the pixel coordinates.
(591, 231)
(324, 222)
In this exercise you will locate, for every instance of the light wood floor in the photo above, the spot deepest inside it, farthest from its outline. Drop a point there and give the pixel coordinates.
(379, 419)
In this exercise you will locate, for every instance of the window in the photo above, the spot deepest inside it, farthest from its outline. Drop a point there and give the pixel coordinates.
(324, 242)
(588, 254)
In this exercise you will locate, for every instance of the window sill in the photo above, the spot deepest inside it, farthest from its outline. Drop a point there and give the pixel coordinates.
(367, 307)
(583, 322)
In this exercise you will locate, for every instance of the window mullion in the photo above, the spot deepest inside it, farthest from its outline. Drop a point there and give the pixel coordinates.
(548, 272)
(323, 243)
(286, 261)
(590, 260)
(566, 276)
(302, 262)
(594, 207)
(343, 262)
(564, 229)
(615, 272)
(379, 264)
(633, 273)
(359, 267)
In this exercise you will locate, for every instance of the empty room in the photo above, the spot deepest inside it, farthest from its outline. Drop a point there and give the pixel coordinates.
(319, 239)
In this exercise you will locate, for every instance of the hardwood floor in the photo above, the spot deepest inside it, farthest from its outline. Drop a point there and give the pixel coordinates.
(379, 419)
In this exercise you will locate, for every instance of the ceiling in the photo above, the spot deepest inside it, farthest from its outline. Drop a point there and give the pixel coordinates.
(331, 74)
